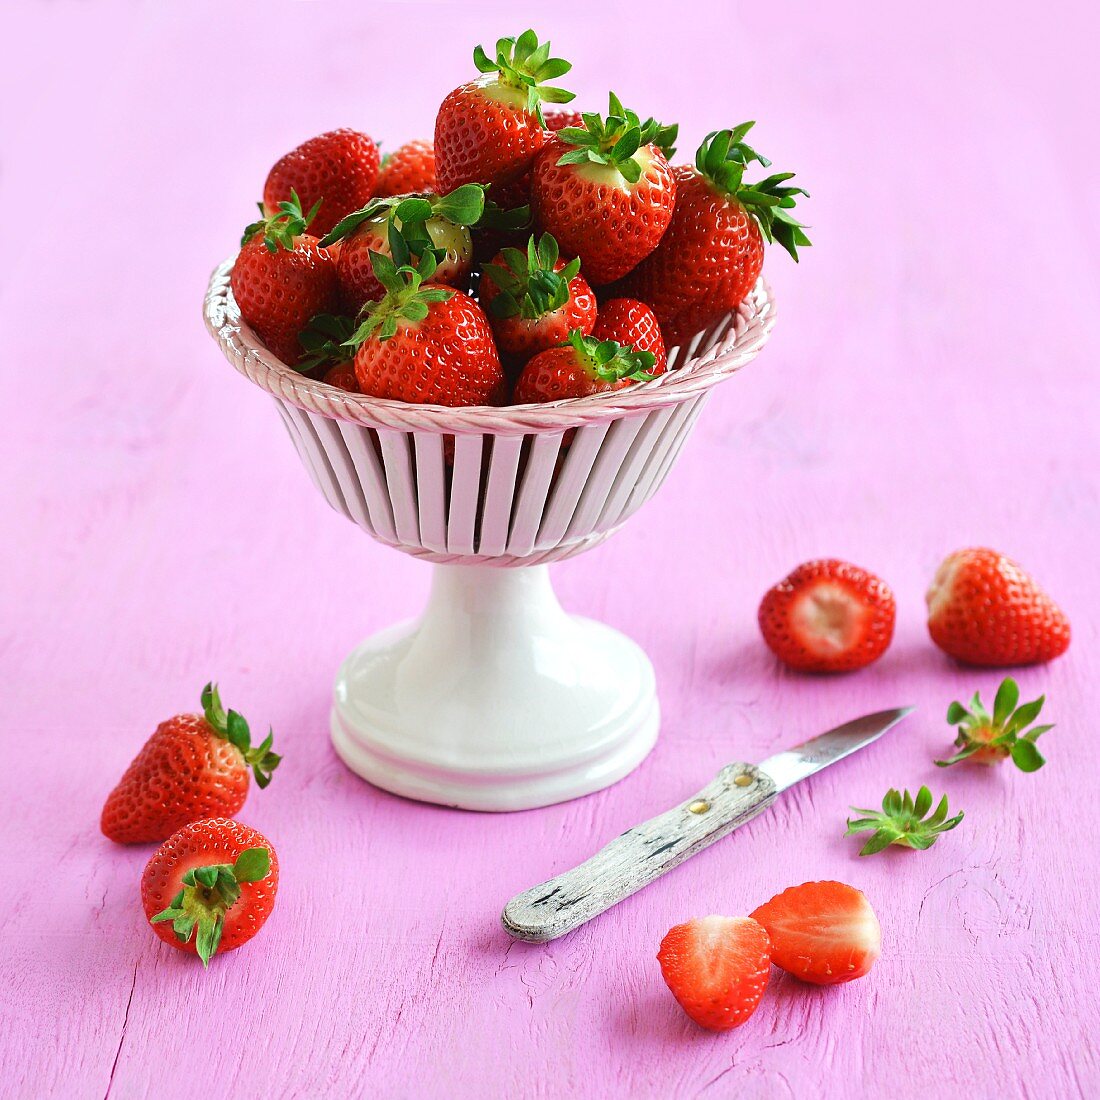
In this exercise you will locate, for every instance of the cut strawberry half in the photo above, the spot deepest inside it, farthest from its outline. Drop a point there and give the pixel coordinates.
(717, 969)
(828, 616)
(822, 932)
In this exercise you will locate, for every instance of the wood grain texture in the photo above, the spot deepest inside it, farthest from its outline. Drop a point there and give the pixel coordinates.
(932, 383)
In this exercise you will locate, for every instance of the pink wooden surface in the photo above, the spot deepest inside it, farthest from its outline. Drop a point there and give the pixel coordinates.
(930, 384)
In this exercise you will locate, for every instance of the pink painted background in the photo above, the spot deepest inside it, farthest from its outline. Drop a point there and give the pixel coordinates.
(932, 383)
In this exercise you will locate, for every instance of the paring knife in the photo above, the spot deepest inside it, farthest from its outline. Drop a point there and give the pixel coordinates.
(737, 794)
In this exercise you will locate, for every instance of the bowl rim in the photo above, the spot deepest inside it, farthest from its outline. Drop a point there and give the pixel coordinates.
(727, 346)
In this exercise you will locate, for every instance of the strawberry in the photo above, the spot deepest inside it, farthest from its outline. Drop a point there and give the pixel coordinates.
(580, 368)
(425, 344)
(822, 932)
(983, 609)
(409, 169)
(558, 120)
(488, 131)
(634, 325)
(534, 299)
(713, 250)
(717, 969)
(192, 767)
(828, 616)
(282, 278)
(403, 228)
(605, 190)
(215, 881)
(342, 376)
(337, 170)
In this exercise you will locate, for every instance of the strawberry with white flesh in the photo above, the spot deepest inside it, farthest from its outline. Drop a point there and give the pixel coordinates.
(425, 344)
(824, 933)
(534, 299)
(488, 131)
(985, 610)
(986, 738)
(634, 325)
(605, 190)
(828, 616)
(717, 969)
(339, 167)
(282, 278)
(403, 227)
(210, 887)
(713, 250)
(408, 170)
(580, 368)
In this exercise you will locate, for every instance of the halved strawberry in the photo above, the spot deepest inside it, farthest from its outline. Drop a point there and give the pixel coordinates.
(717, 968)
(828, 616)
(822, 932)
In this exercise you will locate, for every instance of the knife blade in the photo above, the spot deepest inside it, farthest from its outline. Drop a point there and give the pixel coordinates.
(645, 852)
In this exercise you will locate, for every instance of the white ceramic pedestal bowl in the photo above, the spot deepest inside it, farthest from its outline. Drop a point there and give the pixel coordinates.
(494, 698)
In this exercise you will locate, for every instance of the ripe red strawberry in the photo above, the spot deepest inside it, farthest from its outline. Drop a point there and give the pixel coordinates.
(632, 324)
(713, 250)
(828, 616)
(425, 344)
(983, 609)
(822, 932)
(338, 170)
(717, 968)
(192, 767)
(558, 120)
(489, 130)
(534, 299)
(282, 278)
(403, 228)
(342, 376)
(580, 368)
(209, 887)
(409, 169)
(605, 191)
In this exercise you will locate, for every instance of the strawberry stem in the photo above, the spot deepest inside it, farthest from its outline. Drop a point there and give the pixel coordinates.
(524, 63)
(528, 283)
(232, 727)
(999, 735)
(610, 361)
(283, 226)
(903, 822)
(406, 297)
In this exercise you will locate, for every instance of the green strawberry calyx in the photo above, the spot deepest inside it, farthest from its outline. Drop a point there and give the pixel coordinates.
(528, 284)
(991, 738)
(324, 341)
(407, 298)
(464, 205)
(207, 894)
(232, 727)
(723, 158)
(616, 139)
(903, 821)
(610, 361)
(523, 63)
(280, 229)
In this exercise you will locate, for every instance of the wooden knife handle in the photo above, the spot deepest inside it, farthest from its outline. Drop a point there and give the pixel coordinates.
(737, 794)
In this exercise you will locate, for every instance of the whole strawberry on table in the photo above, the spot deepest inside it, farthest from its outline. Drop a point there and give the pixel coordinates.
(502, 235)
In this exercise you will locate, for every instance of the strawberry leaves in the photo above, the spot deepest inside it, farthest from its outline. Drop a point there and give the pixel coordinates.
(528, 283)
(282, 227)
(207, 894)
(991, 738)
(723, 158)
(324, 341)
(616, 139)
(610, 361)
(406, 298)
(232, 727)
(524, 63)
(903, 821)
(464, 205)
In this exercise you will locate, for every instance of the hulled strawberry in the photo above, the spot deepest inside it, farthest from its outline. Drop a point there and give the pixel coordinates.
(828, 616)
(717, 969)
(534, 299)
(489, 130)
(337, 170)
(282, 278)
(193, 766)
(408, 170)
(983, 609)
(580, 368)
(210, 887)
(822, 932)
(634, 325)
(713, 250)
(404, 228)
(605, 190)
(425, 344)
